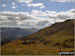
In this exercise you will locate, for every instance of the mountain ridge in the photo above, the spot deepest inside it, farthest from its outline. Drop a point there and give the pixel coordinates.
(45, 41)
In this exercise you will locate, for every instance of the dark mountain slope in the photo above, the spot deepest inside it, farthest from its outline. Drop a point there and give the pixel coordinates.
(44, 42)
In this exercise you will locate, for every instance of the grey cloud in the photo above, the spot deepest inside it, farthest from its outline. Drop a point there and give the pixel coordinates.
(43, 24)
(62, 0)
(72, 11)
(63, 17)
(12, 16)
(8, 24)
(26, 20)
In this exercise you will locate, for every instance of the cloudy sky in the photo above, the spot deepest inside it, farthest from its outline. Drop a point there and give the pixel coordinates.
(35, 13)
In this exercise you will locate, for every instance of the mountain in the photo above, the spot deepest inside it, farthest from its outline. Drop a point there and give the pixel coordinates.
(48, 41)
(10, 34)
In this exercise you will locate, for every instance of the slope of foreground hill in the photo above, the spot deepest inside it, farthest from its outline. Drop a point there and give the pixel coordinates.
(48, 41)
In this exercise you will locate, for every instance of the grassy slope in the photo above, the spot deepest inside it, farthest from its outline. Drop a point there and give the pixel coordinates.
(46, 41)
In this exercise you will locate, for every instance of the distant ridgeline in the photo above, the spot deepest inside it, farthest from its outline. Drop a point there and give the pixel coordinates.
(10, 34)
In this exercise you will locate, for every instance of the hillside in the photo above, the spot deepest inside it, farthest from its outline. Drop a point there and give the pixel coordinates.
(9, 34)
(47, 41)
